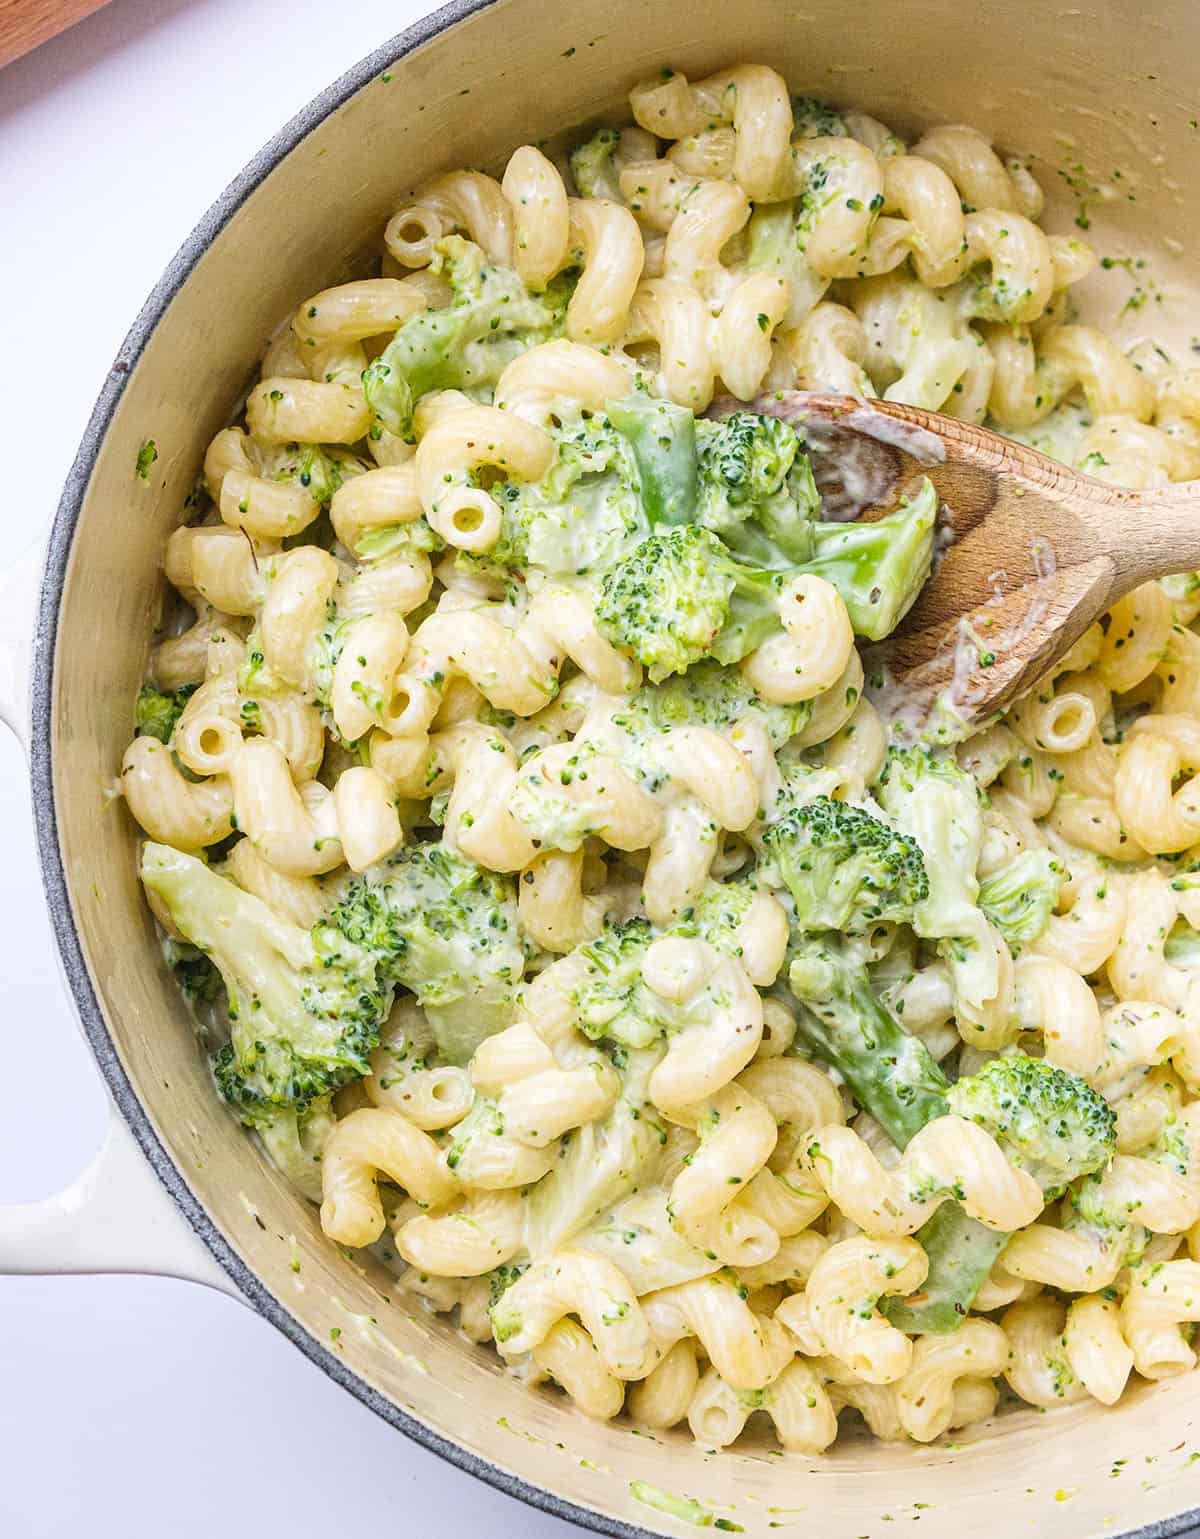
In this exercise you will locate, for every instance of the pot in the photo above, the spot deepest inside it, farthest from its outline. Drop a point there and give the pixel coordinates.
(1109, 90)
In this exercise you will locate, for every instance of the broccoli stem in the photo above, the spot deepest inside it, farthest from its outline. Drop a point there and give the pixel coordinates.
(961, 1252)
(896, 1078)
(891, 1073)
(878, 568)
(663, 439)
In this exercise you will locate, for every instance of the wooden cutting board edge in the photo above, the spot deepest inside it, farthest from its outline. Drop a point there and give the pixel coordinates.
(26, 24)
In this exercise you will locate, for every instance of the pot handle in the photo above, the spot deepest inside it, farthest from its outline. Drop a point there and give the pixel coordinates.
(116, 1217)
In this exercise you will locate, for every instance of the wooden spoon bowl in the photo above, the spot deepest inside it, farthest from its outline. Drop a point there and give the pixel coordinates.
(1028, 553)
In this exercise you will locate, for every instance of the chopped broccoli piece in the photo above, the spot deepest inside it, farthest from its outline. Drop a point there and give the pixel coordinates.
(446, 929)
(146, 457)
(844, 868)
(502, 1278)
(755, 489)
(592, 165)
(663, 439)
(584, 515)
(326, 648)
(685, 594)
(1183, 942)
(936, 802)
(892, 1074)
(195, 973)
(601, 1163)
(680, 597)
(1086, 1207)
(717, 915)
(316, 470)
(709, 696)
(157, 712)
(611, 1000)
(397, 540)
(878, 568)
(744, 459)
(295, 1141)
(489, 322)
(1020, 899)
(553, 818)
(1048, 1122)
(777, 239)
(304, 1006)
(962, 1253)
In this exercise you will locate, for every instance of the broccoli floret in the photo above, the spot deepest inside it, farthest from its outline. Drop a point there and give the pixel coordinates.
(744, 459)
(718, 914)
(446, 929)
(892, 1074)
(683, 595)
(1048, 1122)
(550, 815)
(1087, 1206)
(611, 999)
(467, 344)
(1020, 899)
(932, 799)
(157, 711)
(755, 489)
(1108, 1214)
(304, 1006)
(709, 696)
(582, 517)
(680, 597)
(878, 568)
(1053, 1125)
(195, 973)
(592, 165)
(844, 868)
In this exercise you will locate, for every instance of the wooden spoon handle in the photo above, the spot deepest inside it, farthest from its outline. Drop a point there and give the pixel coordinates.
(1145, 534)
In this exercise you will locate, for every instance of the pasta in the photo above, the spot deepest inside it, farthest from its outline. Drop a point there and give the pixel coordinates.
(568, 912)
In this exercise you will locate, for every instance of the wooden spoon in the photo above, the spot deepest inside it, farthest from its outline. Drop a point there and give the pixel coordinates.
(1028, 554)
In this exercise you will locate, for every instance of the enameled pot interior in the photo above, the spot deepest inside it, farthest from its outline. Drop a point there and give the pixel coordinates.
(1105, 100)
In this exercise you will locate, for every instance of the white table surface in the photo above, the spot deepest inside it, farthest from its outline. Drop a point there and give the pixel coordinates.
(134, 1407)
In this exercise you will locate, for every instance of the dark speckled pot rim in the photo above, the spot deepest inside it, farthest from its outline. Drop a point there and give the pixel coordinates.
(54, 874)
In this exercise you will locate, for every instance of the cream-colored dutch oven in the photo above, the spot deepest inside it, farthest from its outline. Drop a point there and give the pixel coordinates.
(1091, 90)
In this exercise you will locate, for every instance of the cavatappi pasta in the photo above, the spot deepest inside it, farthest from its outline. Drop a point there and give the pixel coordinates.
(566, 919)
